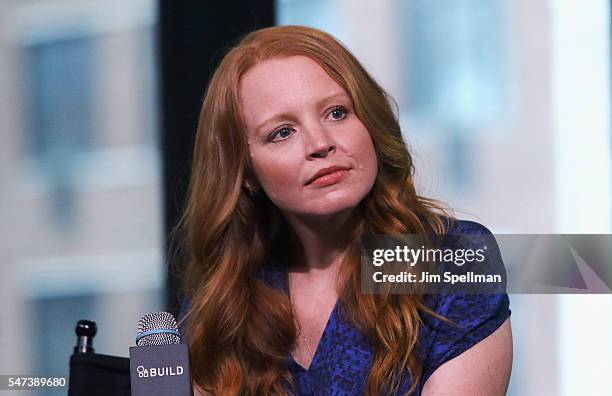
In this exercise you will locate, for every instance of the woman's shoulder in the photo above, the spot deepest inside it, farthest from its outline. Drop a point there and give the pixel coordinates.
(467, 234)
(472, 317)
(458, 227)
(273, 275)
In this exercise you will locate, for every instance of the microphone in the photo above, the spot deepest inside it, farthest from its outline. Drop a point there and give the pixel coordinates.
(159, 364)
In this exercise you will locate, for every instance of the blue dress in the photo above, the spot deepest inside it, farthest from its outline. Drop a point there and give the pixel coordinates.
(343, 358)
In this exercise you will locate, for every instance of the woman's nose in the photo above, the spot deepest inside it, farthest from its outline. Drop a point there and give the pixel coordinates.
(320, 143)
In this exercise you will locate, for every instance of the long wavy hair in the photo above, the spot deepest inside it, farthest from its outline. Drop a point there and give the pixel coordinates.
(240, 330)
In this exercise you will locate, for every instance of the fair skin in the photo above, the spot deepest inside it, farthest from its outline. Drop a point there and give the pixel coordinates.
(298, 121)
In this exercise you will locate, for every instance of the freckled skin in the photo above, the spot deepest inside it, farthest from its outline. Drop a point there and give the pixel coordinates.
(316, 134)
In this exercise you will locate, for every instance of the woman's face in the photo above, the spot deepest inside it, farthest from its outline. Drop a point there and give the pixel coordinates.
(309, 151)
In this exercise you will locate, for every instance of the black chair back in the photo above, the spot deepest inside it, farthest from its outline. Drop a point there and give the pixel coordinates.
(92, 374)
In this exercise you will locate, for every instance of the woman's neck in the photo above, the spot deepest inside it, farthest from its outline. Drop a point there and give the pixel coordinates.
(321, 242)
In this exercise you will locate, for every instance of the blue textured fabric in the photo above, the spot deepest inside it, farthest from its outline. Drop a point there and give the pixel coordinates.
(343, 358)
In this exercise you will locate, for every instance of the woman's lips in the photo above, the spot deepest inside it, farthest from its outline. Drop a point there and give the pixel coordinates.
(330, 178)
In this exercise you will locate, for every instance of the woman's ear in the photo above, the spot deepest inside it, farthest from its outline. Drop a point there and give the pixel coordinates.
(250, 182)
(251, 186)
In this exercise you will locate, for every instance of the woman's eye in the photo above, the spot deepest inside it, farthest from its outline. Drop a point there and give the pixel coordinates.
(338, 113)
(281, 134)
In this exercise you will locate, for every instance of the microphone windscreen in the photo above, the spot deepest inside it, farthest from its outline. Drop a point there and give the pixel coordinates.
(157, 328)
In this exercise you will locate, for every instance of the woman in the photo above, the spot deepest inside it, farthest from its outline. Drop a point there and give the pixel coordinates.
(298, 155)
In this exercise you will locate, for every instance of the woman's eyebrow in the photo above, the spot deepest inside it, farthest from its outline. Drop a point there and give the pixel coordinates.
(319, 103)
(336, 95)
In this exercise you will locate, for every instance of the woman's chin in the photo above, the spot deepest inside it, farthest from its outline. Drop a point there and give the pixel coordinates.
(330, 209)
(336, 203)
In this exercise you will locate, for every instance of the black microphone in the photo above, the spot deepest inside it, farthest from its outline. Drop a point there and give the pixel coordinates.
(159, 364)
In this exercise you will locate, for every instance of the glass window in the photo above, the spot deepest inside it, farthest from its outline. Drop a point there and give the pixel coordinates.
(80, 176)
(506, 108)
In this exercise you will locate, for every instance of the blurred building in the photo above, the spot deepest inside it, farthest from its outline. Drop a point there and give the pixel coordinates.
(505, 105)
(79, 175)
